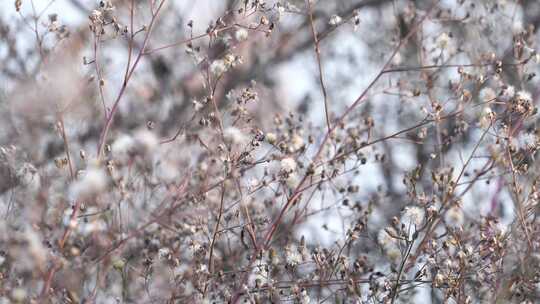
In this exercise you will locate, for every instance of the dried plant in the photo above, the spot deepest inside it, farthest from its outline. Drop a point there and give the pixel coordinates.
(248, 151)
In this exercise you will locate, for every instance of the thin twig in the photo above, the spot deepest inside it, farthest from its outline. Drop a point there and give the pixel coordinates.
(319, 64)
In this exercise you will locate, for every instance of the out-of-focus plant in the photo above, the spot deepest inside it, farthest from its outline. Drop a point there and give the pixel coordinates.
(154, 154)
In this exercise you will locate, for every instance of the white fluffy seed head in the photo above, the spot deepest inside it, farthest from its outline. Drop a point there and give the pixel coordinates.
(271, 138)
(123, 147)
(443, 40)
(297, 142)
(508, 92)
(241, 34)
(288, 165)
(146, 140)
(92, 182)
(454, 217)
(384, 239)
(524, 96)
(218, 67)
(35, 247)
(234, 135)
(335, 20)
(412, 215)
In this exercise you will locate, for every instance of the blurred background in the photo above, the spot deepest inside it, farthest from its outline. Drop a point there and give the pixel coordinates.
(59, 80)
